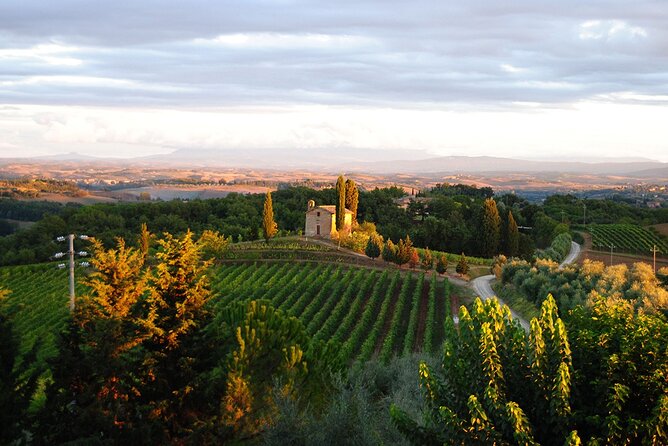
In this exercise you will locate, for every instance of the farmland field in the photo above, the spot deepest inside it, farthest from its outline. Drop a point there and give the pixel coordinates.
(370, 313)
(626, 238)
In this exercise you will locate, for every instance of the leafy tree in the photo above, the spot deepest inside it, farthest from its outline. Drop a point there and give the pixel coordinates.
(373, 246)
(341, 206)
(269, 226)
(497, 384)
(512, 237)
(490, 229)
(352, 198)
(620, 386)
(213, 245)
(441, 264)
(462, 265)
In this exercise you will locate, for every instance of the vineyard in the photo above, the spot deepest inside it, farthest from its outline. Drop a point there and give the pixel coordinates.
(372, 314)
(626, 238)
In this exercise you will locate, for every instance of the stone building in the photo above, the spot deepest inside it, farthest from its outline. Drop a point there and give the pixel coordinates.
(321, 221)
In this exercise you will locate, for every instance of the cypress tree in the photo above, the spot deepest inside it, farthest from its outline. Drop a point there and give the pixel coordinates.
(513, 236)
(269, 226)
(462, 266)
(373, 246)
(341, 206)
(441, 264)
(352, 198)
(491, 229)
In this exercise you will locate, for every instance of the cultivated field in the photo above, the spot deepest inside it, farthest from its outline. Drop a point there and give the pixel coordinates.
(626, 238)
(370, 313)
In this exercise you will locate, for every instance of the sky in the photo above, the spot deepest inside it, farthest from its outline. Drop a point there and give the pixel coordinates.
(525, 79)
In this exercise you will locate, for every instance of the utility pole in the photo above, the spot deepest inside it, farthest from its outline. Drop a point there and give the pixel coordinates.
(654, 250)
(584, 215)
(71, 253)
(611, 248)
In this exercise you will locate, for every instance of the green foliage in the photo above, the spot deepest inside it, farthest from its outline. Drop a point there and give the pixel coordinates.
(341, 204)
(558, 249)
(269, 226)
(512, 237)
(626, 238)
(213, 246)
(373, 246)
(404, 251)
(490, 229)
(462, 266)
(427, 260)
(390, 251)
(497, 385)
(572, 286)
(441, 264)
(352, 198)
(620, 388)
(16, 386)
(126, 358)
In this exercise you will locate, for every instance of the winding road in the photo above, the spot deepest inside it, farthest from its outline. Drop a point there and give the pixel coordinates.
(483, 285)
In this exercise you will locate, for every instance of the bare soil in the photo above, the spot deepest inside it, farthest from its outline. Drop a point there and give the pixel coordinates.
(662, 229)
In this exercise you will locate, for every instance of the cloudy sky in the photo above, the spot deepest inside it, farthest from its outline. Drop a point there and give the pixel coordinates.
(527, 78)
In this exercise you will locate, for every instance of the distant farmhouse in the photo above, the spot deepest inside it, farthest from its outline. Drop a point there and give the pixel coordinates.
(321, 221)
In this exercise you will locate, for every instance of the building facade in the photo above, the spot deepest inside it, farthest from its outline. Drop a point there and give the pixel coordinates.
(321, 221)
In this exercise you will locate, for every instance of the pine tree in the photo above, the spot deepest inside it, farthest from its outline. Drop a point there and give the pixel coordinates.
(513, 237)
(352, 198)
(491, 229)
(341, 206)
(269, 226)
(462, 266)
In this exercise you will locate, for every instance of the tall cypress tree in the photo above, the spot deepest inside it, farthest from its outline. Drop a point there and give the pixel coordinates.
(352, 197)
(269, 226)
(512, 237)
(491, 229)
(341, 206)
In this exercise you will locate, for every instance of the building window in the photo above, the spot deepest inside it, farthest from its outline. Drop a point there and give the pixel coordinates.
(318, 214)
(317, 230)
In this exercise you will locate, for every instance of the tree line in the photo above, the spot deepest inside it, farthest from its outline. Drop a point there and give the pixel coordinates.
(449, 218)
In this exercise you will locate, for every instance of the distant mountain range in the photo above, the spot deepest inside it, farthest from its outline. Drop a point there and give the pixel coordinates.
(341, 160)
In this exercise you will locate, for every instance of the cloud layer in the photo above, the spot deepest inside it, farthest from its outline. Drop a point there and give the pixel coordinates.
(422, 56)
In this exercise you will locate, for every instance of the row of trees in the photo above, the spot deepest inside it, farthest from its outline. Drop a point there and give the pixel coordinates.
(405, 253)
